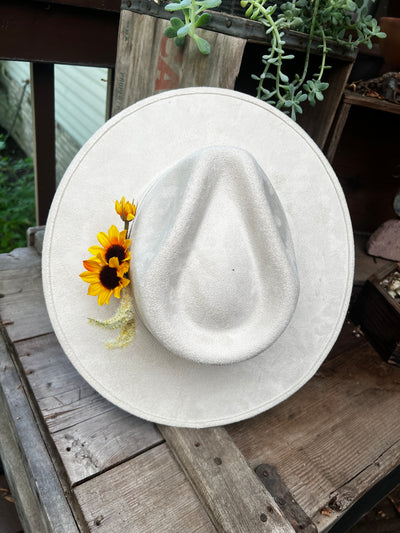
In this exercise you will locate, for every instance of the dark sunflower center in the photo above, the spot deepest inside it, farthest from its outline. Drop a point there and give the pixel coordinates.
(109, 277)
(116, 251)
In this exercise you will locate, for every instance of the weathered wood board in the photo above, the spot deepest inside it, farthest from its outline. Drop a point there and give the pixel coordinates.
(233, 495)
(329, 440)
(149, 63)
(90, 433)
(144, 495)
(22, 307)
(38, 493)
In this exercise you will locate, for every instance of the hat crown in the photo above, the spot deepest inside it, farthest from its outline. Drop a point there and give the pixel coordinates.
(213, 268)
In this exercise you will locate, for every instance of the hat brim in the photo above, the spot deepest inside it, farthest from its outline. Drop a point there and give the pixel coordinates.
(123, 158)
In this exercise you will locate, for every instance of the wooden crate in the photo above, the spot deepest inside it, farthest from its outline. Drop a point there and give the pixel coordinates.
(148, 62)
(378, 314)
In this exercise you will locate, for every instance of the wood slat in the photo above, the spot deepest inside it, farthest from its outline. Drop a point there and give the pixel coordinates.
(330, 433)
(372, 103)
(19, 270)
(90, 433)
(147, 494)
(318, 120)
(337, 130)
(148, 63)
(234, 497)
(22, 307)
(39, 496)
(24, 312)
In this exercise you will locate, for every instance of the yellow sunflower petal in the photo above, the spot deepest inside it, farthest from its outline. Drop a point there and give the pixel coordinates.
(103, 239)
(110, 293)
(95, 289)
(114, 235)
(89, 277)
(125, 282)
(92, 265)
(117, 291)
(104, 296)
(96, 249)
(113, 262)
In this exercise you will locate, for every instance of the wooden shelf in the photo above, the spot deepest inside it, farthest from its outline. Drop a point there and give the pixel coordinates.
(368, 101)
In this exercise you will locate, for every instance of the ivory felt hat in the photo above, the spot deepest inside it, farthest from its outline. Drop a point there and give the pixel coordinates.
(242, 257)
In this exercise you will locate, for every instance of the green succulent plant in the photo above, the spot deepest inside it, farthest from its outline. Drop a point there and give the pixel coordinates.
(194, 17)
(345, 22)
(328, 20)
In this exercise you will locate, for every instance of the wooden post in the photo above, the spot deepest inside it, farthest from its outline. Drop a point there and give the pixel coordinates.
(149, 63)
(42, 82)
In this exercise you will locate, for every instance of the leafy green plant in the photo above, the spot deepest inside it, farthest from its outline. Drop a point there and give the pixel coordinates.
(194, 17)
(328, 20)
(17, 198)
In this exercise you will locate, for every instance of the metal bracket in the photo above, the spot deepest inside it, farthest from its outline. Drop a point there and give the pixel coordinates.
(271, 480)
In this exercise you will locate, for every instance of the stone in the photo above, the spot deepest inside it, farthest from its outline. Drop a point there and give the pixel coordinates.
(385, 241)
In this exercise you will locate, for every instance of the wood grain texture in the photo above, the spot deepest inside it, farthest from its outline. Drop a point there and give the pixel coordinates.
(373, 103)
(39, 496)
(336, 432)
(233, 495)
(22, 307)
(317, 121)
(147, 494)
(90, 433)
(336, 131)
(149, 63)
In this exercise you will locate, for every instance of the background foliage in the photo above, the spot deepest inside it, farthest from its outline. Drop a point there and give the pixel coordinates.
(17, 196)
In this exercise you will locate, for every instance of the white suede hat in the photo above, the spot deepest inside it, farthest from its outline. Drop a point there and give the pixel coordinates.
(242, 257)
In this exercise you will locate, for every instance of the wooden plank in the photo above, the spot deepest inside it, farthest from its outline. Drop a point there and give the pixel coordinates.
(149, 63)
(336, 131)
(68, 34)
(144, 495)
(337, 429)
(43, 121)
(90, 434)
(317, 121)
(24, 313)
(19, 270)
(373, 103)
(345, 496)
(39, 496)
(233, 496)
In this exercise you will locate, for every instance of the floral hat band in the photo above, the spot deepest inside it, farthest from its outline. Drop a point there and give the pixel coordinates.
(107, 271)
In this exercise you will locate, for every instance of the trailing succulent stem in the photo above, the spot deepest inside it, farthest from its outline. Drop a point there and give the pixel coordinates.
(325, 19)
(193, 17)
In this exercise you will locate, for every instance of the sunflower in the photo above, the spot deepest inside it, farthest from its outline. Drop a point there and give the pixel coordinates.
(126, 210)
(113, 244)
(105, 278)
